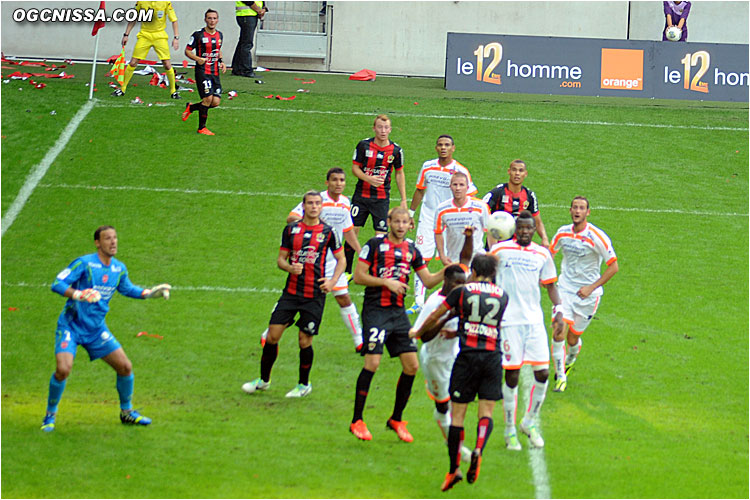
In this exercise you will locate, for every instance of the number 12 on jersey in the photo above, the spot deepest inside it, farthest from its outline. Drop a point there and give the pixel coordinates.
(495, 50)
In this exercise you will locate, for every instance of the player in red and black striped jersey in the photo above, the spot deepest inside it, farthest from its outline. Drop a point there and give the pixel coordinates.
(304, 246)
(206, 43)
(384, 266)
(513, 196)
(477, 371)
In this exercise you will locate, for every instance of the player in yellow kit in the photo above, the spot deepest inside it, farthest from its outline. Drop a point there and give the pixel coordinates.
(153, 34)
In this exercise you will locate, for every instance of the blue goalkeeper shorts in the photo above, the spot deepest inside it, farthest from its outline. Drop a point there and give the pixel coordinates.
(69, 335)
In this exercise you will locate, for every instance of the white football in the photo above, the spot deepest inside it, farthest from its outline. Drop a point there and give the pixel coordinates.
(674, 34)
(501, 225)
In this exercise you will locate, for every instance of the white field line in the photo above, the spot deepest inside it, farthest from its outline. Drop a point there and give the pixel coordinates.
(187, 288)
(37, 173)
(299, 196)
(537, 461)
(456, 117)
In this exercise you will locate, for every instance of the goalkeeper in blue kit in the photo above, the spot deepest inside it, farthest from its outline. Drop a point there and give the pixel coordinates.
(89, 283)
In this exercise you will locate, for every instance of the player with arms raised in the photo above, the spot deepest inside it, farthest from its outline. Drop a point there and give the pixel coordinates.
(89, 283)
(584, 247)
(303, 252)
(479, 306)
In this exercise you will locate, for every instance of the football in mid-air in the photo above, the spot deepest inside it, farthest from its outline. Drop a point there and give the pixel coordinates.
(501, 225)
(674, 34)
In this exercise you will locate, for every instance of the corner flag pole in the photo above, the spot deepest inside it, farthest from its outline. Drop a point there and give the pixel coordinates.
(93, 67)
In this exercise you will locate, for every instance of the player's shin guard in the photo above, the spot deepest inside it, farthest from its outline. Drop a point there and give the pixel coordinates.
(510, 397)
(128, 75)
(419, 291)
(484, 429)
(403, 391)
(536, 399)
(170, 77)
(455, 440)
(56, 388)
(360, 393)
(305, 364)
(558, 356)
(267, 359)
(125, 390)
(351, 319)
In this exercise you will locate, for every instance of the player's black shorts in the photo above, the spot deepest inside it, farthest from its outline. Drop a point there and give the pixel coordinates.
(477, 374)
(310, 312)
(208, 85)
(387, 326)
(362, 207)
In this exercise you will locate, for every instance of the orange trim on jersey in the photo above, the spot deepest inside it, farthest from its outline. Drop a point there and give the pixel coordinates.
(547, 282)
(516, 246)
(512, 367)
(604, 242)
(467, 208)
(575, 236)
(339, 249)
(536, 363)
(347, 229)
(432, 397)
(610, 261)
(575, 332)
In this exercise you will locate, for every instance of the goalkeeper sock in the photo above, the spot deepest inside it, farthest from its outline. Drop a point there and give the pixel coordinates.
(125, 390)
(56, 388)
(170, 77)
(128, 75)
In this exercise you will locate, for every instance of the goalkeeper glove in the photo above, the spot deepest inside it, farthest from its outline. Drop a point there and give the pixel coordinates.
(88, 295)
(157, 291)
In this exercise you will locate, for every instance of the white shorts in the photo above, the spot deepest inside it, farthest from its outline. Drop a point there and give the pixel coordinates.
(426, 238)
(437, 357)
(342, 285)
(524, 345)
(578, 312)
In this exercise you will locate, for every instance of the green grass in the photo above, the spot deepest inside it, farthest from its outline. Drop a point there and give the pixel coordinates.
(657, 406)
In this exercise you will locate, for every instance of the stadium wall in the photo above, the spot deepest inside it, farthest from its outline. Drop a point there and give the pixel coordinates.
(407, 38)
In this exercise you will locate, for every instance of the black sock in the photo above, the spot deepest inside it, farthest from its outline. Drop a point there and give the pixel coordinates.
(267, 359)
(484, 429)
(360, 394)
(455, 438)
(349, 254)
(202, 116)
(195, 106)
(403, 391)
(305, 364)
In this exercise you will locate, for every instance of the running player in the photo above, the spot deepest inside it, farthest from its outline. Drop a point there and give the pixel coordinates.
(153, 34)
(89, 283)
(479, 305)
(513, 196)
(522, 266)
(433, 188)
(303, 252)
(584, 247)
(384, 266)
(454, 215)
(437, 355)
(208, 61)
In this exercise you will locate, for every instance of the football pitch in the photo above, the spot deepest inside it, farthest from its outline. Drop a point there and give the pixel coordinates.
(657, 406)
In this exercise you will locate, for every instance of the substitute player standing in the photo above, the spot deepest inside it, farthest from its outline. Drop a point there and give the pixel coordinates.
(522, 266)
(89, 283)
(437, 355)
(208, 61)
(153, 34)
(479, 305)
(304, 247)
(433, 188)
(384, 266)
(513, 196)
(584, 247)
(454, 215)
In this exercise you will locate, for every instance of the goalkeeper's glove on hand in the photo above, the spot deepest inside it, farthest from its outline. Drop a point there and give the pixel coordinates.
(88, 295)
(157, 291)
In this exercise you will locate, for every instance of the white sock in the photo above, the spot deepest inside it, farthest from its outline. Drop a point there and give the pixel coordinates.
(538, 393)
(264, 334)
(419, 291)
(510, 397)
(351, 320)
(558, 356)
(573, 351)
(444, 422)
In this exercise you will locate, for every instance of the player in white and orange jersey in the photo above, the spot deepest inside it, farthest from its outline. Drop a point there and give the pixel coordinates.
(584, 248)
(522, 266)
(433, 188)
(454, 215)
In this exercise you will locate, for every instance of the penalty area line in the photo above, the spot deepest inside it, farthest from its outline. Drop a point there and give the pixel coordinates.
(40, 169)
(537, 462)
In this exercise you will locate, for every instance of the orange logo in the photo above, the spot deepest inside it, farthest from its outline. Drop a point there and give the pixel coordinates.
(622, 69)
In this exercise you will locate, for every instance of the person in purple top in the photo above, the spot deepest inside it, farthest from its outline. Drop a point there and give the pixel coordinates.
(676, 14)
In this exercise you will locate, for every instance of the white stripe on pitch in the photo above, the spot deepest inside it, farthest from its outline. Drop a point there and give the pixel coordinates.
(40, 169)
(299, 196)
(187, 288)
(537, 461)
(454, 118)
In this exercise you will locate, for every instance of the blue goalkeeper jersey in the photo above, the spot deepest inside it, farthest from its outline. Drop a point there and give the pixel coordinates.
(89, 272)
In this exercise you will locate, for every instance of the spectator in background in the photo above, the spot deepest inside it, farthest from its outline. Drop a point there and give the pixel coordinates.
(247, 14)
(676, 14)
